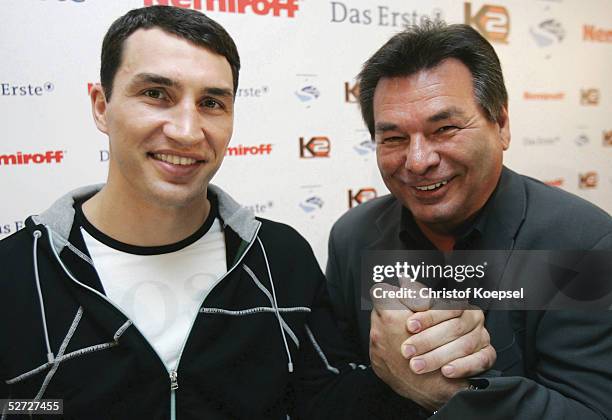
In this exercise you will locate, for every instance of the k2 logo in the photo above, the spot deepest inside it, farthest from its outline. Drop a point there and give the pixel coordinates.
(315, 148)
(589, 97)
(607, 138)
(351, 93)
(361, 196)
(588, 180)
(492, 21)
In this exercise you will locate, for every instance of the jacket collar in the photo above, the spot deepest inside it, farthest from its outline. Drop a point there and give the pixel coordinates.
(508, 206)
(60, 216)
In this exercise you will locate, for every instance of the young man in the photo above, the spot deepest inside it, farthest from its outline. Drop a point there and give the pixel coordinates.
(157, 295)
(434, 100)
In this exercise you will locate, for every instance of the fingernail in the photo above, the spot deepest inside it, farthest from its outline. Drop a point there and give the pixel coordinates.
(448, 370)
(408, 351)
(414, 326)
(417, 365)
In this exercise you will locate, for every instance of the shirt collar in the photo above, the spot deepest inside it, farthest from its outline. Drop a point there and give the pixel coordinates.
(466, 235)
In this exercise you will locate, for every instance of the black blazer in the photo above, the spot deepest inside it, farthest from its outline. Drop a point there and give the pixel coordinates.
(550, 364)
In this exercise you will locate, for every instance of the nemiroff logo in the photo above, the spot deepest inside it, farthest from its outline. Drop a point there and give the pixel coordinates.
(544, 96)
(258, 7)
(594, 34)
(316, 147)
(557, 182)
(240, 150)
(361, 196)
(20, 158)
(492, 21)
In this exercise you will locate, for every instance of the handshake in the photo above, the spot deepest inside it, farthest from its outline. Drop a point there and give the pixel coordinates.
(423, 353)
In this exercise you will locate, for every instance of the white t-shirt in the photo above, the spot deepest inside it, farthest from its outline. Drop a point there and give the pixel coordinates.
(162, 288)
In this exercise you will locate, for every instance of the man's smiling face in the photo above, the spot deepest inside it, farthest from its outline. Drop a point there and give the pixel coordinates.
(437, 151)
(169, 118)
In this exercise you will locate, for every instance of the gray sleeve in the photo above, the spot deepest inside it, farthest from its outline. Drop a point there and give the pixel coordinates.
(572, 376)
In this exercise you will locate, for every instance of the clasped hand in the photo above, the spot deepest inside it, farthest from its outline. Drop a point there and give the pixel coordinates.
(424, 353)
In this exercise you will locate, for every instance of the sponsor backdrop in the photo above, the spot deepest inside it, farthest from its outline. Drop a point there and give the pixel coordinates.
(300, 152)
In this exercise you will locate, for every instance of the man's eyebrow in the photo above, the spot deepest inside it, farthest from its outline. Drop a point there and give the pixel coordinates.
(153, 78)
(384, 126)
(218, 91)
(446, 114)
(156, 79)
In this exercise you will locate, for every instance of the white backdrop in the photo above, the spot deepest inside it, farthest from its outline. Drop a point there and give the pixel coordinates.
(297, 84)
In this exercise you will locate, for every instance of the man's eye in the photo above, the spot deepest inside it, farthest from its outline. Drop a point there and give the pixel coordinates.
(211, 103)
(394, 139)
(155, 94)
(446, 128)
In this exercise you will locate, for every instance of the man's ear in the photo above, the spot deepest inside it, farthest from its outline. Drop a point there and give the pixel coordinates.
(98, 107)
(504, 127)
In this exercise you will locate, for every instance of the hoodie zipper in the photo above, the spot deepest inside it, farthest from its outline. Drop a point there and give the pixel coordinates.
(173, 388)
(173, 374)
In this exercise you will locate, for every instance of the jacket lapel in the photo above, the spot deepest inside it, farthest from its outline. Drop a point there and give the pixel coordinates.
(388, 227)
(507, 213)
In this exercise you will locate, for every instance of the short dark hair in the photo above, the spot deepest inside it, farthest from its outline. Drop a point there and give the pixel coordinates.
(424, 47)
(189, 24)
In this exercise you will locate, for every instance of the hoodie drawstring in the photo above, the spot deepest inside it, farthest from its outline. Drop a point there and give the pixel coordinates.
(50, 356)
(276, 311)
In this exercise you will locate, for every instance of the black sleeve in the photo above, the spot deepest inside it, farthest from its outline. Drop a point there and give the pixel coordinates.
(4, 388)
(330, 386)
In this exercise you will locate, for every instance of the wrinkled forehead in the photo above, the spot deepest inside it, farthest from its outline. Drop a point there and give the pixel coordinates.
(448, 82)
(449, 75)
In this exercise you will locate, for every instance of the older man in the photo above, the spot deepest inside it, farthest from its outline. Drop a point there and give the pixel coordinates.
(434, 100)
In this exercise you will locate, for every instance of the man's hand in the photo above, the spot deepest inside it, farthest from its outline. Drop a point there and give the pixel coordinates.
(452, 339)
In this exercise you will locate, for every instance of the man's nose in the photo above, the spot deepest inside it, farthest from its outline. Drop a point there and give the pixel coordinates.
(421, 155)
(185, 124)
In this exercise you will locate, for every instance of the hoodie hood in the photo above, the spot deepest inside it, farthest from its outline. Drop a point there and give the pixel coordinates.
(60, 216)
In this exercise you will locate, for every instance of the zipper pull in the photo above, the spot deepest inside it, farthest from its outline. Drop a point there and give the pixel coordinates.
(173, 380)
